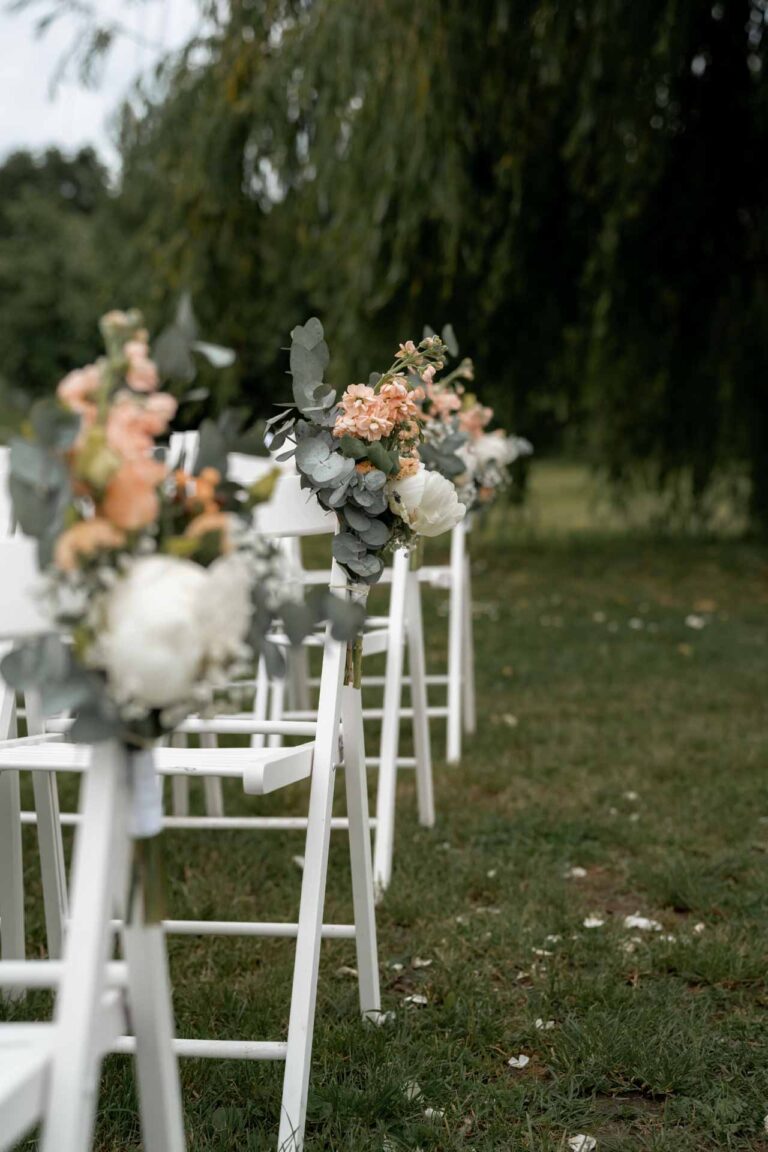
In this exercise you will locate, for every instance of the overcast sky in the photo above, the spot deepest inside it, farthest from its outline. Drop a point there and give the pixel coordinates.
(31, 117)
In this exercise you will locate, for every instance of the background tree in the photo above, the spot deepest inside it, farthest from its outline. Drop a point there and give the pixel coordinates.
(51, 272)
(579, 188)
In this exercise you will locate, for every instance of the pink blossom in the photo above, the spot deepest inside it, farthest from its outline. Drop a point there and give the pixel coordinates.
(77, 389)
(473, 420)
(407, 349)
(132, 424)
(141, 372)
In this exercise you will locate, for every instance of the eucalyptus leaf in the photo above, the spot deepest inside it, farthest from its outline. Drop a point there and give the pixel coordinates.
(357, 519)
(212, 448)
(215, 354)
(377, 535)
(298, 621)
(374, 481)
(352, 447)
(55, 426)
(347, 547)
(450, 341)
(369, 567)
(387, 462)
(171, 351)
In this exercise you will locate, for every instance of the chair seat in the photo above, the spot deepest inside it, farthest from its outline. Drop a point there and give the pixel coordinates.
(261, 770)
(25, 1058)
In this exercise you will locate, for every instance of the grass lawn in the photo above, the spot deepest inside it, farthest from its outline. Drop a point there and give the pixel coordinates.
(623, 687)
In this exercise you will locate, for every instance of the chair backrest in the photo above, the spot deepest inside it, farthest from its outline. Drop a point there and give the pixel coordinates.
(293, 511)
(20, 613)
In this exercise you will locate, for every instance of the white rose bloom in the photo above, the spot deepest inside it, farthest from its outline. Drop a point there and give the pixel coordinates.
(226, 614)
(153, 647)
(427, 502)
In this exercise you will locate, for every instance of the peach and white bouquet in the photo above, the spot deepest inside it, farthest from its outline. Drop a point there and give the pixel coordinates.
(456, 441)
(155, 575)
(359, 452)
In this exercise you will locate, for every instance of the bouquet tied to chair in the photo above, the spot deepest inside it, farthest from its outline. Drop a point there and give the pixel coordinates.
(159, 592)
(457, 441)
(358, 452)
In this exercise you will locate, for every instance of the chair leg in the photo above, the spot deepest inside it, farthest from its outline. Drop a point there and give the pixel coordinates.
(260, 702)
(11, 859)
(421, 735)
(390, 730)
(52, 864)
(179, 784)
(162, 1124)
(11, 875)
(455, 622)
(53, 867)
(470, 705)
(276, 709)
(298, 679)
(304, 992)
(214, 793)
(356, 783)
(74, 1078)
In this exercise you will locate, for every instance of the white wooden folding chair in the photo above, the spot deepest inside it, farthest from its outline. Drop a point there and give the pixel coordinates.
(264, 770)
(49, 1072)
(400, 630)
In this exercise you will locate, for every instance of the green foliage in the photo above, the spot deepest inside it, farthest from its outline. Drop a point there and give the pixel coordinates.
(51, 268)
(581, 186)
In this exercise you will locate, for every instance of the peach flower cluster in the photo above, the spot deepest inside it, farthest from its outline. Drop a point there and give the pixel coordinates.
(475, 419)
(370, 415)
(112, 461)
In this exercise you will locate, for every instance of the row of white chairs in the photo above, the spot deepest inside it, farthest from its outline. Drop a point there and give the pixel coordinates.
(261, 769)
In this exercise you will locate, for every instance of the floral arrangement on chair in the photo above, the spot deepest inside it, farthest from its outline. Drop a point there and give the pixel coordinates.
(359, 452)
(156, 575)
(457, 443)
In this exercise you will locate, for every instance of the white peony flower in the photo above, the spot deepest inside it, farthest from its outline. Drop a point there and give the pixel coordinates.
(226, 614)
(427, 502)
(153, 646)
(493, 448)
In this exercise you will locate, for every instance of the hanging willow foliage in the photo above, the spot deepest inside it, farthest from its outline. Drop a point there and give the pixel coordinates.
(579, 188)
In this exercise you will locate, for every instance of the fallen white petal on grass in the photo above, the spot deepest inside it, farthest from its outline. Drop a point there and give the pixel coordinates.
(510, 720)
(420, 962)
(434, 1114)
(396, 966)
(519, 1061)
(541, 951)
(417, 998)
(698, 929)
(765, 1123)
(544, 1025)
(345, 970)
(668, 938)
(642, 922)
(380, 1019)
(582, 1143)
(695, 622)
(575, 873)
(634, 817)
(631, 796)
(594, 922)
(298, 861)
(553, 939)
(491, 873)
(599, 617)
(636, 624)
(412, 1090)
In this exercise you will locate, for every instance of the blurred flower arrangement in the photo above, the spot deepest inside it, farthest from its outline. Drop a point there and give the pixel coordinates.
(155, 574)
(456, 441)
(359, 453)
